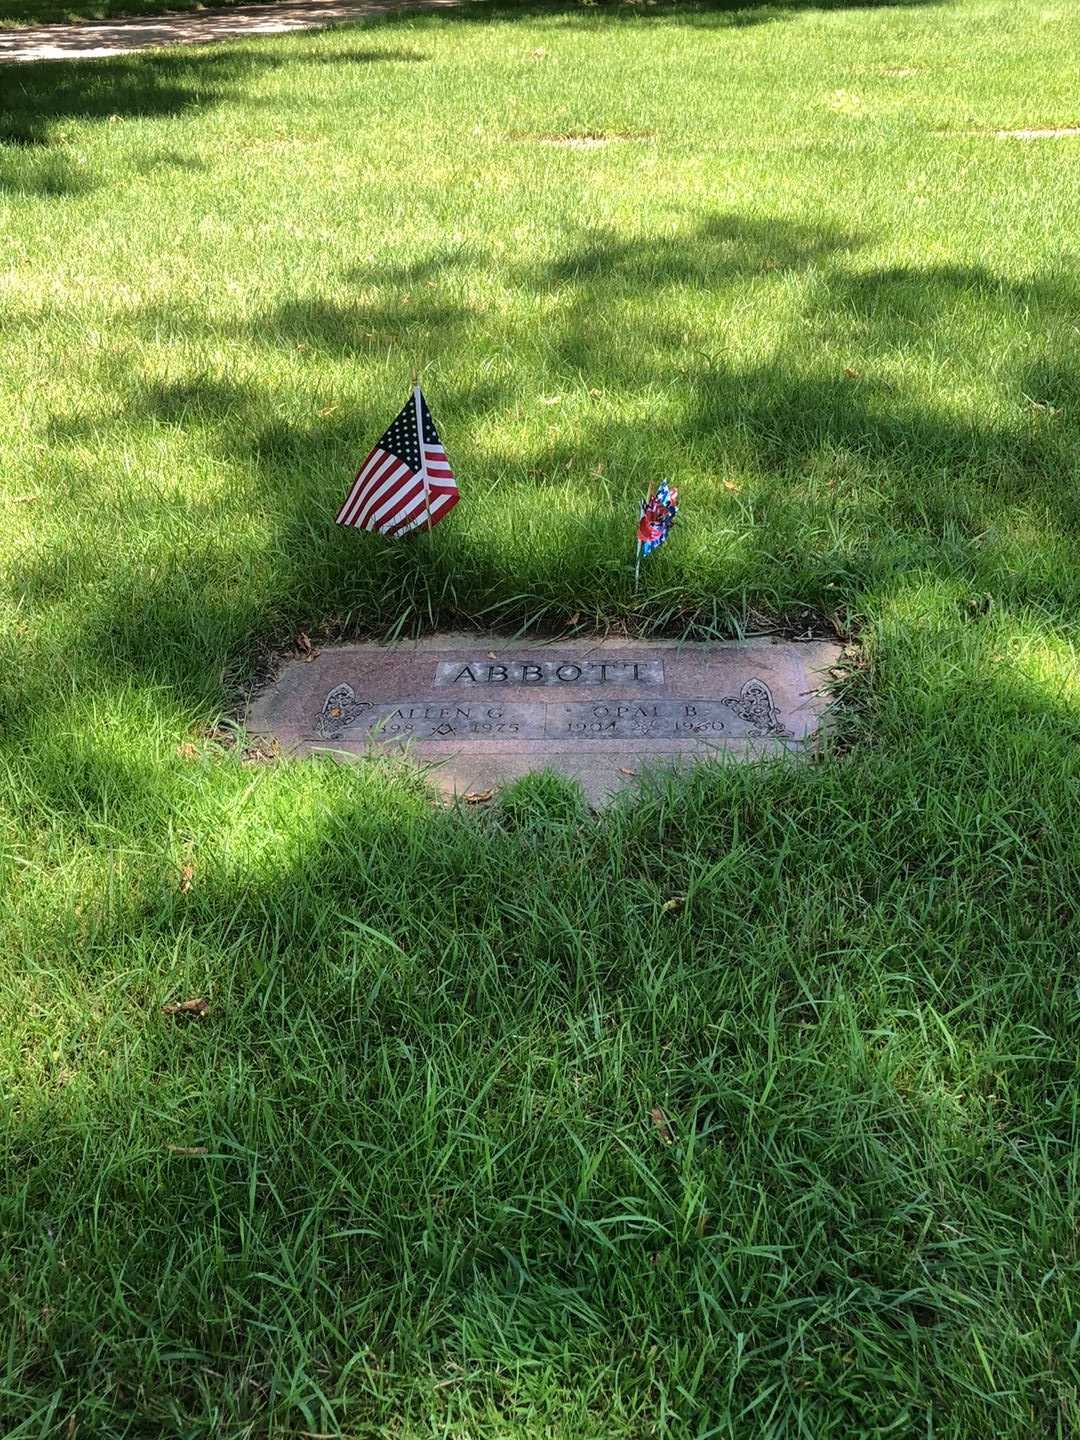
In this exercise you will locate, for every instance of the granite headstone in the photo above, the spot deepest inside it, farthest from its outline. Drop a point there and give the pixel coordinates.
(482, 711)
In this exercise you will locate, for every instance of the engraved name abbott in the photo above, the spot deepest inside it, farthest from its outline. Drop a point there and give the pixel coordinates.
(549, 672)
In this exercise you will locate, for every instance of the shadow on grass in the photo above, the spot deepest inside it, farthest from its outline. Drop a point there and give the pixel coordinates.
(723, 248)
(39, 97)
(361, 330)
(744, 12)
(858, 1032)
(852, 480)
(602, 12)
(42, 175)
(422, 1137)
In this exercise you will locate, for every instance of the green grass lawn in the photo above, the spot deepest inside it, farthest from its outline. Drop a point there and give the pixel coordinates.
(402, 1180)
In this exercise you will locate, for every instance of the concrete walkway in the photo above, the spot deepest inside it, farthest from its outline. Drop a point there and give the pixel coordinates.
(96, 40)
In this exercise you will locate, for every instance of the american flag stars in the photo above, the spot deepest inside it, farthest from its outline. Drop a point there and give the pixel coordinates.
(403, 483)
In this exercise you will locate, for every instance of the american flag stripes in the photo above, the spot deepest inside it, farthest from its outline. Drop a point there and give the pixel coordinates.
(406, 482)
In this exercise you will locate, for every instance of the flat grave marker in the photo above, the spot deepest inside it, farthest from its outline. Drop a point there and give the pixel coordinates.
(482, 711)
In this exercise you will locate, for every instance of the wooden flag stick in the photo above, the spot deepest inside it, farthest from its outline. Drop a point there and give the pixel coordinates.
(420, 441)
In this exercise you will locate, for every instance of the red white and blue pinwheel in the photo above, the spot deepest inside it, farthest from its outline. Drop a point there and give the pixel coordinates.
(658, 514)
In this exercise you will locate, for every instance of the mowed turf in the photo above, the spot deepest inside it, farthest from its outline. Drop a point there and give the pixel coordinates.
(480, 1136)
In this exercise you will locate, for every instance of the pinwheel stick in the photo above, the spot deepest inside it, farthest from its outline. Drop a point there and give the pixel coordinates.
(637, 557)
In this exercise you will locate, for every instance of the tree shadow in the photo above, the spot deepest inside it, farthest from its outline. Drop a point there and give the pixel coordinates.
(851, 480)
(723, 248)
(588, 12)
(230, 1153)
(596, 13)
(153, 85)
(42, 176)
(360, 329)
(859, 482)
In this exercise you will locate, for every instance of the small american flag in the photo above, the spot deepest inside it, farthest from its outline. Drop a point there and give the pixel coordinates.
(403, 483)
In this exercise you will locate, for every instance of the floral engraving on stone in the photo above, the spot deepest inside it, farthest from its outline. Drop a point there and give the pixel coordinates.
(754, 704)
(340, 711)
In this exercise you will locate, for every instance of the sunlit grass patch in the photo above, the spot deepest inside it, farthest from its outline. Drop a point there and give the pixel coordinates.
(407, 1172)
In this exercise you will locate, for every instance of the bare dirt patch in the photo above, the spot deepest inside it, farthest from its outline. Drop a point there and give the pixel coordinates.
(1057, 132)
(589, 140)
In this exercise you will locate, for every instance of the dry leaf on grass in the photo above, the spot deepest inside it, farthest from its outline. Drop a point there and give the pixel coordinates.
(660, 1121)
(1043, 407)
(197, 1007)
(303, 644)
(730, 485)
(24, 499)
(187, 751)
(850, 373)
(262, 751)
(478, 797)
(537, 54)
(187, 874)
(187, 1149)
(624, 771)
(673, 906)
(550, 399)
